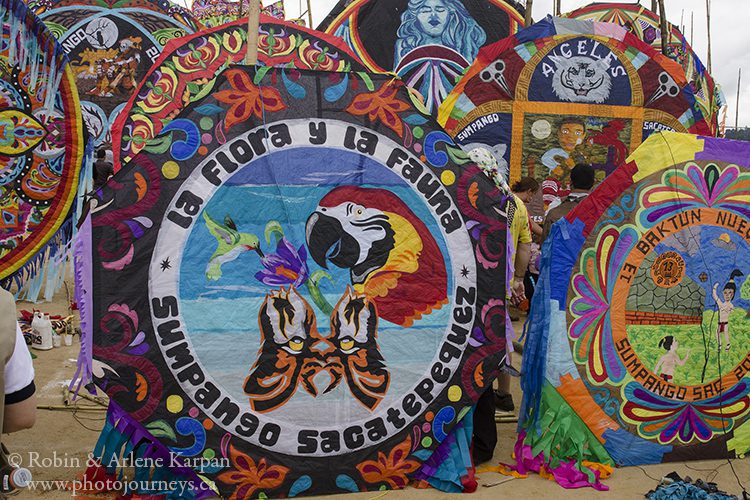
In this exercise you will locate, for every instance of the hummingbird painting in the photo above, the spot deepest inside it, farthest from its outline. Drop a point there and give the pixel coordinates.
(231, 243)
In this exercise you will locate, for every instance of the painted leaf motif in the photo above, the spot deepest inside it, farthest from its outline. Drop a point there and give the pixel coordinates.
(246, 99)
(250, 477)
(381, 105)
(392, 469)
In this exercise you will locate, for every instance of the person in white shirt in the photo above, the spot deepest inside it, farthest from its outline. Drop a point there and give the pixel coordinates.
(20, 398)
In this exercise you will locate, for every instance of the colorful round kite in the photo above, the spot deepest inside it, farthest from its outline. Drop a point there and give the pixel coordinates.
(638, 352)
(180, 74)
(305, 282)
(111, 46)
(645, 25)
(41, 148)
(563, 92)
(212, 13)
(428, 43)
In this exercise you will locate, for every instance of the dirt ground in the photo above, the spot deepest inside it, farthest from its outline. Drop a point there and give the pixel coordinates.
(70, 436)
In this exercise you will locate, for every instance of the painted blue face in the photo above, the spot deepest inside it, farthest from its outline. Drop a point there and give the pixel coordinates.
(433, 17)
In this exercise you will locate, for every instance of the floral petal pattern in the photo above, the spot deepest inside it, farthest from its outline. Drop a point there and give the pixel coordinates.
(246, 99)
(381, 105)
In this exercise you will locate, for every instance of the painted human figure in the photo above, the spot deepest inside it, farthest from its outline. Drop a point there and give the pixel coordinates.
(126, 65)
(438, 22)
(725, 308)
(670, 360)
(571, 135)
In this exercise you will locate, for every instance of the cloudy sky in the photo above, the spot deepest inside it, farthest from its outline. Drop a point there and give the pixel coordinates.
(730, 43)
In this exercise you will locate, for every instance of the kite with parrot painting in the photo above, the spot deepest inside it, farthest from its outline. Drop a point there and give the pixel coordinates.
(359, 308)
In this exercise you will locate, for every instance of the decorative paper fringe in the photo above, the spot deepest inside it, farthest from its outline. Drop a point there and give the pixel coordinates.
(123, 437)
(450, 468)
(535, 349)
(553, 441)
(28, 39)
(44, 267)
(567, 473)
(33, 47)
(82, 262)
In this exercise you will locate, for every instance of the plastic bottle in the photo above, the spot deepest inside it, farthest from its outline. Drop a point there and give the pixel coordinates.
(42, 330)
(13, 479)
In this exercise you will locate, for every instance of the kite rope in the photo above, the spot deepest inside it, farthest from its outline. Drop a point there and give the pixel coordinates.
(718, 355)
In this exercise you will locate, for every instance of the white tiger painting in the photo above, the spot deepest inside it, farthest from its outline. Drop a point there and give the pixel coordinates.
(581, 79)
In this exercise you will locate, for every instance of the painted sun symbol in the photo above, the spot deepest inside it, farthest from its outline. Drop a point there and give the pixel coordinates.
(165, 264)
(464, 272)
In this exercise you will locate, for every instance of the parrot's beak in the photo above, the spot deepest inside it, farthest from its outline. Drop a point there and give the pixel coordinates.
(327, 240)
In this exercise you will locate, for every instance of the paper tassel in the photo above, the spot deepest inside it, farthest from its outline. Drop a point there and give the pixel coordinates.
(123, 436)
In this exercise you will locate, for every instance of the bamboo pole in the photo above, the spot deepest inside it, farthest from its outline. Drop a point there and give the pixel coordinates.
(737, 106)
(70, 408)
(253, 21)
(682, 26)
(708, 26)
(527, 19)
(663, 27)
(654, 7)
(309, 14)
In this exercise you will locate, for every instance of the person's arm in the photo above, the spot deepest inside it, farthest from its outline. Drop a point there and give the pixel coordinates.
(20, 398)
(521, 265)
(20, 416)
(536, 229)
(682, 362)
(716, 296)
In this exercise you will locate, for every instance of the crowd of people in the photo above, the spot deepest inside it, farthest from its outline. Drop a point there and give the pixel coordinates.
(526, 238)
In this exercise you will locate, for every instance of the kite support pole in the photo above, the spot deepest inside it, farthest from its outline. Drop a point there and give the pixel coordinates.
(527, 20)
(663, 27)
(253, 21)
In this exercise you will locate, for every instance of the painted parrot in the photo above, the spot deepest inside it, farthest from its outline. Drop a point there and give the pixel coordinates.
(231, 243)
(392, 257)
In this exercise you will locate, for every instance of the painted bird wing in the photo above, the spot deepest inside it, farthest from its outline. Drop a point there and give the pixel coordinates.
(225, 236)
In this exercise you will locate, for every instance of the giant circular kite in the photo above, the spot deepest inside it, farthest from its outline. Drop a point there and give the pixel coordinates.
(645, 25)
(111, 46)
(428, 43)
(646, 340)
(180, 74)
(306, 279)
(563, 92)
(41, 149)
